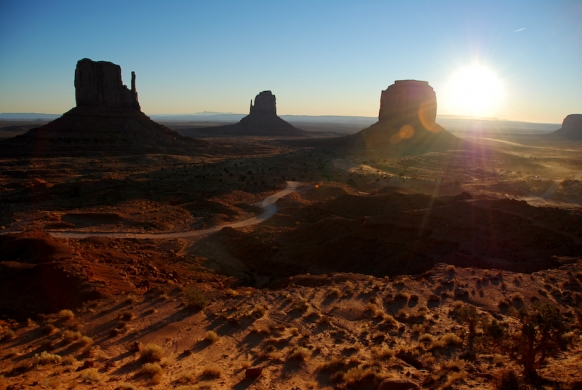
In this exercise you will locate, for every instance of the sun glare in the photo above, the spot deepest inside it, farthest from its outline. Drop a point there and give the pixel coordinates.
(475, 91)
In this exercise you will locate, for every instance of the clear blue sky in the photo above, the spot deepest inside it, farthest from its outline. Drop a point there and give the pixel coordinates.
(318, 57)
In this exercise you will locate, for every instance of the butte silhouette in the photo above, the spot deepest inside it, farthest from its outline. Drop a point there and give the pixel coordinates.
(261, 121)
(571, 128)
(406, 125)
(107, 119)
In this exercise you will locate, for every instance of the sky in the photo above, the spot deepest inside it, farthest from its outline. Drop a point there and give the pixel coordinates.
(318, 57)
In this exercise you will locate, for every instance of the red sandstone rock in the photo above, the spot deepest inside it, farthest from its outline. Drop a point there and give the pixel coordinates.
(408, 102)
(253, 372)
(265, 103)
(99, 84)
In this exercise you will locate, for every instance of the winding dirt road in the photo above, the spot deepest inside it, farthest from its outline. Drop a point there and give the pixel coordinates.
(268, 205)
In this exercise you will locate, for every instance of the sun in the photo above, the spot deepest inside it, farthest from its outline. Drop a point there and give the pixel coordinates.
(474, 90)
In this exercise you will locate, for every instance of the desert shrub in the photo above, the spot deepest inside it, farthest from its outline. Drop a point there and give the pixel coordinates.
(6, 334)
(508, 380)
(86, 340)
(69, 336)
(333, 292)
(382, 352)
(401, 296)
(186, 378)
(151, 353)
(451, 338)
(539, 337)
(153, 371)
(334, 364)
(194, 298)
(66, 314)
(91, 375)
(210, 336)
(359, 375)
(68, 360)
(300, 353)
(426, 338)
(46, 358)
(49, 329)
(212, 372)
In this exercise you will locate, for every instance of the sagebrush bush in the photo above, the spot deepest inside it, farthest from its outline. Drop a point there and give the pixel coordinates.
(211, 336)
(154, 371)
(151, 353)
(194, 298)
(66, 314)
(46, 358)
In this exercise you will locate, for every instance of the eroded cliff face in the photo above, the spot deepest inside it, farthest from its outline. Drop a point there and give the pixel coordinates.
(265, 103)
(408, 102)
(99, 84)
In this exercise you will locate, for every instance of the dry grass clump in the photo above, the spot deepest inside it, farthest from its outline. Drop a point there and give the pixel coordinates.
(211, 336)
(69, 360)
(151, 353)
(426, 338)
(45, 358)
(66, 315)
(49, 329)
(69, 336)
(91, 375)
(212, 372)
(6, 333)
(333, 292)
(401, 296)
(259, 311)
(153, 371)
(382, 352)
(516, 297)
(194, 298)
(300, 353)
(186, 378)
(447, 340)
(357, 376)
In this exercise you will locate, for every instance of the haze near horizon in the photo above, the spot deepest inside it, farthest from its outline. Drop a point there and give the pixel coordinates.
(517, 61)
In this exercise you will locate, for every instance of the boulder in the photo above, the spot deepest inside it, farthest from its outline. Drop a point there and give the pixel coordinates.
(99, 84)
(253, 372)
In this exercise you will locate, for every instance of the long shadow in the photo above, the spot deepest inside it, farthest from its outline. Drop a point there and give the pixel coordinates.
(176, 317)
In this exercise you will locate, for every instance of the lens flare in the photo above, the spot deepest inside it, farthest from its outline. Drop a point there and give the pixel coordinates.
(474, 90)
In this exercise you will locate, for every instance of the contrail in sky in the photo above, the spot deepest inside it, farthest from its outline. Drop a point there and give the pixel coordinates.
(519, 29)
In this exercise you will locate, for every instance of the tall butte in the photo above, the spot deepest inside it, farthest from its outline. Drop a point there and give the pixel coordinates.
(261, 121)
(107, 119)
(571, 128)
(406, 123)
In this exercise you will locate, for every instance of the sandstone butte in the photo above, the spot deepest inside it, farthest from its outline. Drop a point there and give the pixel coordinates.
(571, 128)
(261, 121)
(107, 119)
(406, 124)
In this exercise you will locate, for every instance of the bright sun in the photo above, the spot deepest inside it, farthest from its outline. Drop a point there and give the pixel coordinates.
(475, 91)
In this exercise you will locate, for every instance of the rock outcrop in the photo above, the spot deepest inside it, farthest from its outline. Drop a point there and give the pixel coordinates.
(406, 124)
(265, 103)
(99, 84)
(261, 121)
(107, 119)
(571, 128)
(408, 102)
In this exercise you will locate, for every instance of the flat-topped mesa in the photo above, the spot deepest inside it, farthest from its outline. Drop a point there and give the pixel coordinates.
(573, 122)
(99, 84)
(408, 102)
(265, 103)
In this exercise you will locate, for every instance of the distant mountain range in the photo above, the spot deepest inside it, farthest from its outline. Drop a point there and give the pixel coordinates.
(348, 124)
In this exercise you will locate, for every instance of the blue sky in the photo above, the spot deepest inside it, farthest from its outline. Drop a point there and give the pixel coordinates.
(318, 57)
